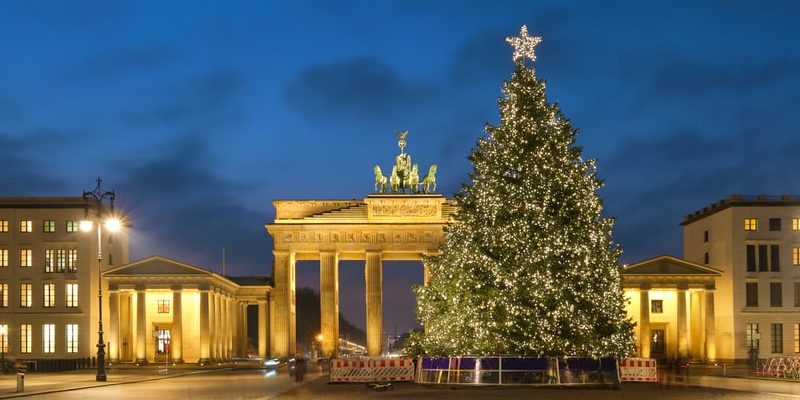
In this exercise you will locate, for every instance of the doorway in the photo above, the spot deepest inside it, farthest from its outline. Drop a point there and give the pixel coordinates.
(658, 343)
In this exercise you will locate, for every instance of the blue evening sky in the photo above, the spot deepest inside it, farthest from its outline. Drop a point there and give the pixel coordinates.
(200, 113)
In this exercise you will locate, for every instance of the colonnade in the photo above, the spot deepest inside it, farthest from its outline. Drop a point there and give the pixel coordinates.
(220, 325)
(695, 344)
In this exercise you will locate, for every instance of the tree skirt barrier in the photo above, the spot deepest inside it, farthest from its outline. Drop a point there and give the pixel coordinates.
(638, 370)
(371, 369)
(512, 370)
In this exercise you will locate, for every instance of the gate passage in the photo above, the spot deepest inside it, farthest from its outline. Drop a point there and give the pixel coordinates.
(371, 370)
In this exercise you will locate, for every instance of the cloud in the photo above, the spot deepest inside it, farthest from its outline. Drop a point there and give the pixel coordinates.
(187, 211)
(211, 100)
(125, 62)
(653, 182)
(26, 170)
(358, 88)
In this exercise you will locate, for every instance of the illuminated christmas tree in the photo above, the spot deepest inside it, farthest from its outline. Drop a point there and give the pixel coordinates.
(528, 265)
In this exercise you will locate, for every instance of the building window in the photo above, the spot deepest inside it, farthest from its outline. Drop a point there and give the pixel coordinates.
(751, 288)
(48, 226)
(25, 339)
(774, 224)
(25, 257)
(797, 294)
(72, 225)
(752, 336)
(3, 225)
(49, 295)
(706, 258)
(72, 338)
(26, 226)
(72, 294)
(776, 334)
(797, 338)
(3, 257)
(49, 260)
(163, 306)
(775, 258)
(762, 257)
(25, 295)
(796, 256)
(776, 294)
(751, 258)
(72, 260)
(49, 338)
(4, 339)
(3, 295)
(705, 236)
(750, 224)
(61, 260)
(796, 224)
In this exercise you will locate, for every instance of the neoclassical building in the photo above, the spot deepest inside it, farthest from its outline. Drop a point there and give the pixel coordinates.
(203, 314)
(735, 295)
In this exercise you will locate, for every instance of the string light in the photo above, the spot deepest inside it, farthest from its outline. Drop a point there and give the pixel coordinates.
(528, 264)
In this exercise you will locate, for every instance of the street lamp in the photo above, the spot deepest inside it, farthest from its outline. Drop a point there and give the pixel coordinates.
(98, 195)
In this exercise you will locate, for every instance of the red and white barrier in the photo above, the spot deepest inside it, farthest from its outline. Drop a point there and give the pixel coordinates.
(638, 370)
(371, 369)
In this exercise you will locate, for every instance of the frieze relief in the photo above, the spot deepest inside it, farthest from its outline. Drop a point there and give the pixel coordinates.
(359, 237)
(405, 210)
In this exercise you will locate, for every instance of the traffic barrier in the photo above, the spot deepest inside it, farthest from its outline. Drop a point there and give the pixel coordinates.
(371, 369)
(638, 370)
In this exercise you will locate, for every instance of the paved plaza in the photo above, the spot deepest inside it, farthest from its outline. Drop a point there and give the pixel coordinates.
(236, 382)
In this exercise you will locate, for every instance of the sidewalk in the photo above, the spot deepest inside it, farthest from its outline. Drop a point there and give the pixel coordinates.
(50, 382)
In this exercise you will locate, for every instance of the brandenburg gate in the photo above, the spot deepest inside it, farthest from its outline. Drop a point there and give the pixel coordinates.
(396, 226)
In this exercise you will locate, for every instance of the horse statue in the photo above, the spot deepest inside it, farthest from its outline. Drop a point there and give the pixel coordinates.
(429, 180)
(380, 180)
(394, 181)
(413, 180)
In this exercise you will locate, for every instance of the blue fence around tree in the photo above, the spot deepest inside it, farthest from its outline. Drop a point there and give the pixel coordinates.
(513, 370)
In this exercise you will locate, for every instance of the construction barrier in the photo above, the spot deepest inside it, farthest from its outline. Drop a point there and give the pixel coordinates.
(638, 370)
(371, 369)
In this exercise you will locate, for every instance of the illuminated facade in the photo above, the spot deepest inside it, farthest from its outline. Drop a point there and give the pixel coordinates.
(49, 277)
(738, 296)
(203, 314)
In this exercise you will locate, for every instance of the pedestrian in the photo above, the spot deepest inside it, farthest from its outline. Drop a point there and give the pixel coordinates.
(299, 368)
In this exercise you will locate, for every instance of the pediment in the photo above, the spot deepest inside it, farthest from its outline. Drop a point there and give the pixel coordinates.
(668, 265)
(157, 265)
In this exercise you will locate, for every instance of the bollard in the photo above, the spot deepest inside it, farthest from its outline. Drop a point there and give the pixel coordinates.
(724, 369)
(20, 382)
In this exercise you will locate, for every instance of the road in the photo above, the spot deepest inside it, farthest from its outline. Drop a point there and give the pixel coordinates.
(259, 384)
(229, 384)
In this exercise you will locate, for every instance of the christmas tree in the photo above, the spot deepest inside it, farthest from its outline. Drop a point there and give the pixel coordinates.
(528, 264)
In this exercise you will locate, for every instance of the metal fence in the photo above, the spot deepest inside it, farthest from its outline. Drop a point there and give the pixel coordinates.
(514, 370)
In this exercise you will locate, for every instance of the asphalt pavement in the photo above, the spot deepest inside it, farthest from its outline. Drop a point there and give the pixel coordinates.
(703, 382)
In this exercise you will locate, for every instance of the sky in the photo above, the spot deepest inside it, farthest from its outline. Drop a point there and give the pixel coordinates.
(199, 114)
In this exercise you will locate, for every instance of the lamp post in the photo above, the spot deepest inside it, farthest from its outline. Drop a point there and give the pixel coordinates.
(99, 196)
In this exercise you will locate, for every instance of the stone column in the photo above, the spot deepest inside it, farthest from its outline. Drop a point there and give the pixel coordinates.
(285, 321)
(212, 326)
(644, 321)
(217, 354)
(373, 274)
(141, 327)
(231, 333)
(176, 336)
(113, 326)
(224, 327)
(205, 351)
(696, 349)
(262, 329)
(329, 303)
(683, 337)
(711, 329)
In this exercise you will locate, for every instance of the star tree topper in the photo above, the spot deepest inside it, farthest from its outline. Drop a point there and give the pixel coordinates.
(524, 45)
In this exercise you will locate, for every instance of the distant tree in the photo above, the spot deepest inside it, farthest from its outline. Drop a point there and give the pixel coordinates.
(308, 319)
(528, 265)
